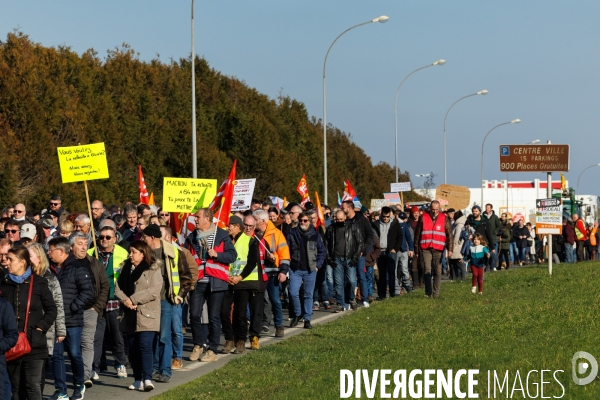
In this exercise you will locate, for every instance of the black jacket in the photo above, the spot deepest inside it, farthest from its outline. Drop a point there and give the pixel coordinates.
(9, 333)
(77, 290)
(483, 228)
(42, 311)
(394, 235)
(360, 222)
(100, 283)
(354, 242)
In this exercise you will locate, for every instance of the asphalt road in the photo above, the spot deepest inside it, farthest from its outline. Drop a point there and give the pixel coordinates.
(110, 386)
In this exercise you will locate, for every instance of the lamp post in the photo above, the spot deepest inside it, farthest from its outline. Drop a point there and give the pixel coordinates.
(514, 121)
(481, 92)
(194, 157)
(381, 19)
(438, 62)
(421, 176)
(591, 166)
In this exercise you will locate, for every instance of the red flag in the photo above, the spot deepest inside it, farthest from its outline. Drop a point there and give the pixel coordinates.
(144, 197)
(223, 199)
(302, 188)
(321, 220)
(349, 193)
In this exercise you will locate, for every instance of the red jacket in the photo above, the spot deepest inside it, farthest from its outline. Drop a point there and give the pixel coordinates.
(580, 226)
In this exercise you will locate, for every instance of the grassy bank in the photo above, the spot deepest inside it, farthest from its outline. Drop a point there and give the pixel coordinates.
(525, 320)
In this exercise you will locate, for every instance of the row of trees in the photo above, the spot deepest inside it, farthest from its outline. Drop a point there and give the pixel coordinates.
(53, 97)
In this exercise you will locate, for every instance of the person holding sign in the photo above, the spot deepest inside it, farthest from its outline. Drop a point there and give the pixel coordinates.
(214, 251)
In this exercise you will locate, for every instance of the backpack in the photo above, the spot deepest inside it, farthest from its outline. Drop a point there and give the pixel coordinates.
(465, 249)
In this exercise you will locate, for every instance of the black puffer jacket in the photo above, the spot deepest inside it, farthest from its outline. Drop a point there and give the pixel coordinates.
(42, 311)
(77, 290)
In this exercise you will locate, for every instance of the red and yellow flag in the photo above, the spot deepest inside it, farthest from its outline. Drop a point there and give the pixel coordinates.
(223, 199)
(302, 188)
(321, 215)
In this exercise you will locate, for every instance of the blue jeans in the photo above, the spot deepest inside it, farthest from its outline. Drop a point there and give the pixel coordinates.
(177, 330)
(569, 253)
(140, 354)
(329, 280)
(273, 291)
(369, 276)
(163, 345)
(72, 344)
(513, 252)
(297, 278)
(321, 286)
(362, 278)
(344, 280)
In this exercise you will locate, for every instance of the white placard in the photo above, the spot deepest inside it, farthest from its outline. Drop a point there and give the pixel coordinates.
(242, 194)
(400, 187)
(548, 216)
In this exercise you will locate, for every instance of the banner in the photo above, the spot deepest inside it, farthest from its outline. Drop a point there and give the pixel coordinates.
(242, 194)
(376, 204)
(400, 187)
(391, 199)
(182, 194)
(83, 163)
(515, 213)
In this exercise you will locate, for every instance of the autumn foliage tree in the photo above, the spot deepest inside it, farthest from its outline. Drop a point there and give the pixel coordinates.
(53, 97)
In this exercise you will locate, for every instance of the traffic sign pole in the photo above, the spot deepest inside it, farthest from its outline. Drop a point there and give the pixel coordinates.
(549, 194)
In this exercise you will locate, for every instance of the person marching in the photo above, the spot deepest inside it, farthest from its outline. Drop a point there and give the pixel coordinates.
(479, 253)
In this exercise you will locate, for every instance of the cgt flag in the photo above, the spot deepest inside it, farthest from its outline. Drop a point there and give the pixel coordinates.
(223, 199)
(302, 188)
(143, 191)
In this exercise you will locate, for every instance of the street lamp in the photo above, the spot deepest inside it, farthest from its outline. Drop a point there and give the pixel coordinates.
(591, 166)
(421, 176)
(438, 62)
(481, 92)
(194, 158)
(382, 20)
(514, 121)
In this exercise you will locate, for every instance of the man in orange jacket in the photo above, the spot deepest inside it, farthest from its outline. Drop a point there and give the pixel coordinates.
(280, 255)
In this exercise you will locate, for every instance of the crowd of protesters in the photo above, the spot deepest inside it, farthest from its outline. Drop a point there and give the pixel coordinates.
(137, 289)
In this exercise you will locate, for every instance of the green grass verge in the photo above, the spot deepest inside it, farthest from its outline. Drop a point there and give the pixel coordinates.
(525, 320)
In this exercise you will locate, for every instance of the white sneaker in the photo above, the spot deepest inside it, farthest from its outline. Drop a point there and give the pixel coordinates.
(95, 376)
(137, 385)
(480, 292)
(148, 385)
(366, 304)
(473, 289)
(122, 372)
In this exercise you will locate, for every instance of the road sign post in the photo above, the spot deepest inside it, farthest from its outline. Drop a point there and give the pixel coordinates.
(539, 158)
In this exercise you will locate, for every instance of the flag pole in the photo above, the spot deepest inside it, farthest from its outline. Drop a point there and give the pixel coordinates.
(216, 227)
(87, 196)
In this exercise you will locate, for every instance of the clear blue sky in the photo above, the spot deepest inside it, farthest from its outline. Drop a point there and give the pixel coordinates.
(538, 59)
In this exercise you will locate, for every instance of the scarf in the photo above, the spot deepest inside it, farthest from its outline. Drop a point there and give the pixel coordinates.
(130, 275)
(20, 279)
(200, 241)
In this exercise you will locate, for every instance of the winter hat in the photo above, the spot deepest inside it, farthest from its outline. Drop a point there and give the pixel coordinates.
(414, 209)
(476, 207)
(153, 230)
(402, 215)
(47, 223)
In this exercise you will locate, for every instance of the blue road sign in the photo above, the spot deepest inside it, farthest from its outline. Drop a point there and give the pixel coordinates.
(504, 151)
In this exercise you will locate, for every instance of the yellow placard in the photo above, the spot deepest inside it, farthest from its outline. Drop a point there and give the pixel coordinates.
(83, 163)
(182, 194)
